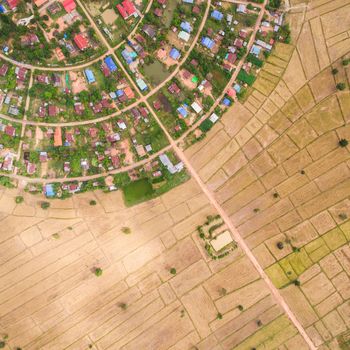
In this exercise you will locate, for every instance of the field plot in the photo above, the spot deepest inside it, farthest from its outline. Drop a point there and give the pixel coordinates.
(279, 166)
(158, 288)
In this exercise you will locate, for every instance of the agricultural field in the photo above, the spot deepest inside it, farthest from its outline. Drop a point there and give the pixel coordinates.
(211, 211)
(106, 275)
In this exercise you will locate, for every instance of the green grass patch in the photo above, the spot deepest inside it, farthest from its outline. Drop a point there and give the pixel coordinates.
(256, 61)
(245, 77)
(137, 191)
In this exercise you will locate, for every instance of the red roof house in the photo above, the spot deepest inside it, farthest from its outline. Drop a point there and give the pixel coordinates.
(12, 3)
(69, 5)
(81, 42)
(127, 9)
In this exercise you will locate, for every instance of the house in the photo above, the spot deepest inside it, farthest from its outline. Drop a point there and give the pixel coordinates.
(241, 8)
(3, 70)
(207, 42)
(81, 42)
(255, 50)
(217, 15)
(53, 111)
(127, 9)
(69, 5)
(141, 84)
(54, 8)
(264, 45)
(238, 43)
(21, 73)
(7, 165)
(149, 30)
(184, 36)
(39, 3)
(174, 54)
(29, 40)
(78, 108)
(183, 111)
(58, 137)
(214, 118)
(12, 4)
(196, 10)
(174, 89)
(90, 77)
(43, 157)
(196, 107)
(10, 131)
(110, 64)
(42, 79)
(49, 190)
(31, 168)
(164, 159)
(13, 110)
(66, 167)
(186, 26)
(243, 34)
(158, 12)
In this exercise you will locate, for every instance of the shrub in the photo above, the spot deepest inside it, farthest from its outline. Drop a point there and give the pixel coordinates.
(296, 282)
(259, 323)
(342, 216)
(173, 271)
(98, 271)
(126, 230)
(346, 62)
(2, 344)
(19, 199)
(93, 202)
(341, 86)
(280, 245)
(343, 142)
(123, 306)
(276, 195)
(45, 205)
(240, 307)
(206, 125)
(335, 71)
(219, 316)
(223, 291)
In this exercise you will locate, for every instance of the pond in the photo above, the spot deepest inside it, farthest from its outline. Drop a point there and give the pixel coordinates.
(156, 72)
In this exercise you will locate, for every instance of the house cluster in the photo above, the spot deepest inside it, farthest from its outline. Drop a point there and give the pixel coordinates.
(80, 41)
(11, 100)
(8, 5)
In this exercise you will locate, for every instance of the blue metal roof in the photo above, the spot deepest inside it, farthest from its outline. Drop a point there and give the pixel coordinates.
(110, 64)
(186, 26)
(207, 42)
(217, 15)
(90, 76)
(49, 191)
(182, 111)
(174, 53)
(226, 102)
(141, 84)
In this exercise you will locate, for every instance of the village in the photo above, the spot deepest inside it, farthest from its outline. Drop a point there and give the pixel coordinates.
(87, 120)
(175, 174)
